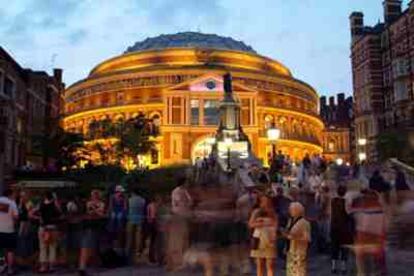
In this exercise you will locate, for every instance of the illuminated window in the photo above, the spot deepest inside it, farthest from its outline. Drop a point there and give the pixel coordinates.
(331, 146)
(245, 112)
(268, 121)
(195, 111)
(211, 112)
(176, 111)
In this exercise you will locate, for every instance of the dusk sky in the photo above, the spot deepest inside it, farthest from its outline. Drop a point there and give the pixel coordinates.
(311, 37)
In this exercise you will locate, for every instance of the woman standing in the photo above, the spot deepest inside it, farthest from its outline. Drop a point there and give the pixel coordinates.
(263, 222)
(298, 234)
(341, 231)
(95, 212)
(49, 214)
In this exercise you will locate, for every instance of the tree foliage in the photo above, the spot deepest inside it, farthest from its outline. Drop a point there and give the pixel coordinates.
(394, 144)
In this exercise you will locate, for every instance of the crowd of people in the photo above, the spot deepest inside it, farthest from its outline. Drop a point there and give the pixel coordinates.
(280, 217)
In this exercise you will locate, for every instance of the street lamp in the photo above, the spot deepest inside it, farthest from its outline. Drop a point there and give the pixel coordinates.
(273, 134)
(228, 142)
(362, 141)
(339, 161)
(362, 156)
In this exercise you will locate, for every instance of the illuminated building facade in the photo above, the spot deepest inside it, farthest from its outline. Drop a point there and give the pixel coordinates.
(176, 81)
(338, 135)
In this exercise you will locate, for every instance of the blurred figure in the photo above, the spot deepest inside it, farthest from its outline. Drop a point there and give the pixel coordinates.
(323, 203)
(401, 186)
(92, 225)
(25, 242)
(281, 205)
(299, 236)
(378, 184)
(370, 234)
(49, 213)
(263, 222)
(117, 218)
(179, 235)
(136, 217)
(153, 229)
(341, 231)
(8, 236)
(244, 206)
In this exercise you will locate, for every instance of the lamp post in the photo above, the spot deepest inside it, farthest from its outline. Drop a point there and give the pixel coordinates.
(228, 142)
(362, 155)
(273, 134)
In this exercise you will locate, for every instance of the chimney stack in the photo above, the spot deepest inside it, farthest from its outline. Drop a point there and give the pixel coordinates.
(332, 101)
(341, 98)
(57, 74)
(356, 20)
(392, 10)
(322, 101)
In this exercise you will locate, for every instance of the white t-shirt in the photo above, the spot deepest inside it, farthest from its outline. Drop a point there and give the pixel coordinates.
(8, 210)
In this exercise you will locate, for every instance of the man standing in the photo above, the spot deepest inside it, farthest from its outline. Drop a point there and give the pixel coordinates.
(8, 236)
(136, 217)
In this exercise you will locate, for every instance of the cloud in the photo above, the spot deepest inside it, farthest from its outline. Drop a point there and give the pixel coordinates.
(184, 12)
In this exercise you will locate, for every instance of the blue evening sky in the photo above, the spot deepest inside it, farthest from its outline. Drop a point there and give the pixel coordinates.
(311, 37)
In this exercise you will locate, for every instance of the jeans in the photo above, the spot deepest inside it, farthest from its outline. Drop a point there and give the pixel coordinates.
(134, 238)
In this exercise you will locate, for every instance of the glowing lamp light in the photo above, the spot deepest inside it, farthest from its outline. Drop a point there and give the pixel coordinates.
(273, 134)
(362, 141)
(339, 161)
(362, 156)
(211, 140)
(348, 164)
(228, 142)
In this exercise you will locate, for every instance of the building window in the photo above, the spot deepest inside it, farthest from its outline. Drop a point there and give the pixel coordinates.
(269, 121)
(400, 91)
(176, 111)
(195, 111)
(331, 146)
(211, 112)
(245, 112)
(9, 87)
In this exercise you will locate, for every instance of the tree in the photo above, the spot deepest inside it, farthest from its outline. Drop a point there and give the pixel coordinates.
(66, 148)
(135, 139)
(393, 144)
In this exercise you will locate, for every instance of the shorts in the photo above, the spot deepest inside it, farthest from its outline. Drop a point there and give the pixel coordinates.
(8, 241)
(89, 239)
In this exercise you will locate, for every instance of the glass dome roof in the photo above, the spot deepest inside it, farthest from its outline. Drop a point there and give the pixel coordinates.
(190, 40)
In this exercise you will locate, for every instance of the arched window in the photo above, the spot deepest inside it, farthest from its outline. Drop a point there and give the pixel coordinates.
(268, 121)
(331, 145)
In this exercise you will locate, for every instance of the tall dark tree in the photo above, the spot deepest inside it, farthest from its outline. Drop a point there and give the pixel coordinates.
(135, 139)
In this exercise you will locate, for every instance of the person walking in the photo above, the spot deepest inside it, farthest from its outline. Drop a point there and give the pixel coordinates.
(263, 222)
(136, 217)
(370, 226)
(8, 236)
(48, 213)
(341, 231)
(299, 236)
(92, 225)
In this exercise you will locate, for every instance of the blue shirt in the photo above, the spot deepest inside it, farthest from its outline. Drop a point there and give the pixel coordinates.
(136, 209)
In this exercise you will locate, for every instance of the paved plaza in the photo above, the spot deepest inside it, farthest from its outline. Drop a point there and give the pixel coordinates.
(400, 263)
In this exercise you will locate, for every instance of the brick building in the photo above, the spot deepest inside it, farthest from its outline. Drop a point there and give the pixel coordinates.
(338, 134)
(383, 74)
(30, 104)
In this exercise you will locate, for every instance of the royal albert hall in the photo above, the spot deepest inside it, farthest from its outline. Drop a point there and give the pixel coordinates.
(176, 81)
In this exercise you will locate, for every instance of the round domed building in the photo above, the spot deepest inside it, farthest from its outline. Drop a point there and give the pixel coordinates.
(176, 81)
